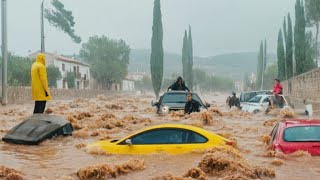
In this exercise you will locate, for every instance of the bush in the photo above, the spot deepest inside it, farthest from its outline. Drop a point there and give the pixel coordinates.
(53, 74)
(71, 78)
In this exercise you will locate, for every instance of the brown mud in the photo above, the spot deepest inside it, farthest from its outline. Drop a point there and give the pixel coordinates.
(113, 117)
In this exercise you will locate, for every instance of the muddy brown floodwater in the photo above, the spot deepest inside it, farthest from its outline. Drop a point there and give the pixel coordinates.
(115, 116)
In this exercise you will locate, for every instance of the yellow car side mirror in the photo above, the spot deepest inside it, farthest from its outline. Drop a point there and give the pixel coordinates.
(128, 142)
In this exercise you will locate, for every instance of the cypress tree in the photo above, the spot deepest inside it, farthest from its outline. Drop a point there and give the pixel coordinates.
(281, 57)
(311, 54)
(185, 57)
(299, 39)
(289, 49)
(260, 66)
(156, 60)
(285, 35)
(265, 56)
(313, 20)
(190, 59)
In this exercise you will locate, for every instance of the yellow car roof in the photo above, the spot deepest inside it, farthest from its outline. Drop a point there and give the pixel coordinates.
(182, 126)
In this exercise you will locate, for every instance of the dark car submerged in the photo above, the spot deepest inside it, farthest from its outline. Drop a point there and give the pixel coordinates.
(175, 101)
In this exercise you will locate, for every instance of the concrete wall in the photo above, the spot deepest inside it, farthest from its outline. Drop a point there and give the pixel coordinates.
(23, 94)
(304, 88)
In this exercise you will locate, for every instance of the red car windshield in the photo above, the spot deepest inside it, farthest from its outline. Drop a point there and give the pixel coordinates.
(302, 134)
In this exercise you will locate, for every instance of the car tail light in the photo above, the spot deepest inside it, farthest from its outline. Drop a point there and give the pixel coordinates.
(277, 148)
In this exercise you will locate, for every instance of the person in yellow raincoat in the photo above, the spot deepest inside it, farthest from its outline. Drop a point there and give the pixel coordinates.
(39, 83)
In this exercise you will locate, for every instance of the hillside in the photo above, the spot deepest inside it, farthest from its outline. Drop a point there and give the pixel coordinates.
(233, 65)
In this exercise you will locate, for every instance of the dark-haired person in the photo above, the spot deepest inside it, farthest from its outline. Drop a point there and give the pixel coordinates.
(178, 85)
(191, 105)
(234, 101)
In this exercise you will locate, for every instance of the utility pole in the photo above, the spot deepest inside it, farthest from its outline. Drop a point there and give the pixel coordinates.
(42, 28)
(4, 49)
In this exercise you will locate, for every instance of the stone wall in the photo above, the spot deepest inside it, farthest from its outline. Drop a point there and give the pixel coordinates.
(304, 88)
(23, 94)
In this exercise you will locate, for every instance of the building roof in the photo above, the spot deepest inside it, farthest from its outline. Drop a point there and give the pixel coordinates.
(70, 60)
(65, 59)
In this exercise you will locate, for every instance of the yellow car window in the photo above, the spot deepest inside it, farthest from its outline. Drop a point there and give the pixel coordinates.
(168, 136)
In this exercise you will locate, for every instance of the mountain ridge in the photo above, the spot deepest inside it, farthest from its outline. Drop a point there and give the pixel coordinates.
(233, 65)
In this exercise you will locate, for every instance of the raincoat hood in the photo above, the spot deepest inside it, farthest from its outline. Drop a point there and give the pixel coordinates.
(41, 58)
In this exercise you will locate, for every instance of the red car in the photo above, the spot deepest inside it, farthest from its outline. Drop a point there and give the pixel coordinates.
(289, 136)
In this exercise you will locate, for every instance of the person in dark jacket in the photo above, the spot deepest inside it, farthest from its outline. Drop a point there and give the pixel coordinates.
(234, 101)
(191, 105)
(178, 85)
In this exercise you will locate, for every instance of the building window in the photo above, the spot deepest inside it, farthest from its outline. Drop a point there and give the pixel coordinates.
(63, 67)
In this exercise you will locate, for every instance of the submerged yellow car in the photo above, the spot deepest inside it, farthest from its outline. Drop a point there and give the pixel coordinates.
(169, 138)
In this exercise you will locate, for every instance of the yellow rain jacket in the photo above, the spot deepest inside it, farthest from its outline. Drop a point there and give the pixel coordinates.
(39, 79)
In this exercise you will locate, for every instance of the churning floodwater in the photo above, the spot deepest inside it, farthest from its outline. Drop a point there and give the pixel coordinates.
(115, 116)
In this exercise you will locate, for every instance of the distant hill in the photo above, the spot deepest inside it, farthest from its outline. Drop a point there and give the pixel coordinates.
(140, 62)
(233, 65)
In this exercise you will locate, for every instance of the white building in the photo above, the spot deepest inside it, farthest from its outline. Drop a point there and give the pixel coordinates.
(81, 70)
(136, 76)
(128, 85)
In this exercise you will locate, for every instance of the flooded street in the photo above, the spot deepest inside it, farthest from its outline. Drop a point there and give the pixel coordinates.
(112, 117)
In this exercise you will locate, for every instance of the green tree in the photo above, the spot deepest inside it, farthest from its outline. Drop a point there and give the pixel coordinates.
(219, 83)
(281, 57)
(265, 58)
(199, 77)
(285, 33)
(269, 75)
(108, 58)
(19, 70)
(71, 80)
(289, 49)
(260, 66)
(53, 74)
(185, 57)
(62, 19)
(190, 60)
(299, 38)
(311, 53)
(156, 60)
(313, 18)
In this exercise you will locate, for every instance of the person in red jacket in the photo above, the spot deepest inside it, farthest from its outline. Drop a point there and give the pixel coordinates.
(277, 88)
(277, 91)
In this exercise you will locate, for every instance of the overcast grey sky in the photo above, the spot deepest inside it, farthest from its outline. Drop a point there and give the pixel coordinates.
(219, 26)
